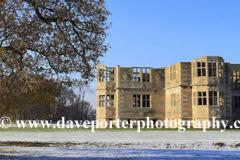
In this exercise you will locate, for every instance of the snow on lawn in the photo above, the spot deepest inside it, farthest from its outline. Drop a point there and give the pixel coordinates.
(148, 144)
(122, 136)
(59, 153)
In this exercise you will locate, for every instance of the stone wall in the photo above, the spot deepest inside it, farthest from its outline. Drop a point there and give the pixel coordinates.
(171, 91)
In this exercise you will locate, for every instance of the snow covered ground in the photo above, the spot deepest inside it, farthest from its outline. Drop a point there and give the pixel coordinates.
(125, 144)
(83, 135)
(67, 153)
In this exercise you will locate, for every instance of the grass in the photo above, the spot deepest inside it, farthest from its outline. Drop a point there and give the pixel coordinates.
(220, 144)
(38, 144)
(237, 145)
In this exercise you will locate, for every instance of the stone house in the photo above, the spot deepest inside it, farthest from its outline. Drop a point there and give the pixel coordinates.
(204, 88)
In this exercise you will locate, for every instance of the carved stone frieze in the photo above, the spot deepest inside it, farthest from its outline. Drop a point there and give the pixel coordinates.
(142, 85)
(111, 85)
(214, 112)
(125, 76)
(141, 113)
(158, 77)
(111, 113)
(213, 80)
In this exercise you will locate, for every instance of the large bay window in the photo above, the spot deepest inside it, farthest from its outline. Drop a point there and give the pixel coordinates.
(236, 102)
(212, 69)
(236, 77)
(141, 74)
(202, 98)
(110, 74)
(201, 69)
(213, 98)
(101, 100)
(137, 99)
(110, 100)
(146, 75)
(136, 75)
(101, 75)
(145, 100)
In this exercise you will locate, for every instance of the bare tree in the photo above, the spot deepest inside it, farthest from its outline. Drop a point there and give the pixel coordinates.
(64, 100)
(83, 88)
(72, 105)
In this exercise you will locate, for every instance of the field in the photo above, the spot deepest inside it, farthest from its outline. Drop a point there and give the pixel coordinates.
(118, 143)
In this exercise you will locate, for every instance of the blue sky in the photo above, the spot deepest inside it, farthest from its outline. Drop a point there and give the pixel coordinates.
(158, 33)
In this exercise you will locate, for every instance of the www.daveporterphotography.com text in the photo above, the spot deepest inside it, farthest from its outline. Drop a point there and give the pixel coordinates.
(181, 125)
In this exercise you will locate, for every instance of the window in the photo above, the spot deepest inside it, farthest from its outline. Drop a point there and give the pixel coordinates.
(110, 100)
(110, 74)
(201, 69)
(220, 69)
(137, 99)
(212, 71)
(221, 98)
(202, 100)
(145, 100)
(194, 98)
(136, 75)
(102, 101)
(236, 102)
(173, 72)
(145, 74)
(236, 77)
(213, 98)
(101, 75)
(173, 100)
(141, 73)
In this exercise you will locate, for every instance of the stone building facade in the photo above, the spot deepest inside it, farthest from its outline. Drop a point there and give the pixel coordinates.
(204, 88)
